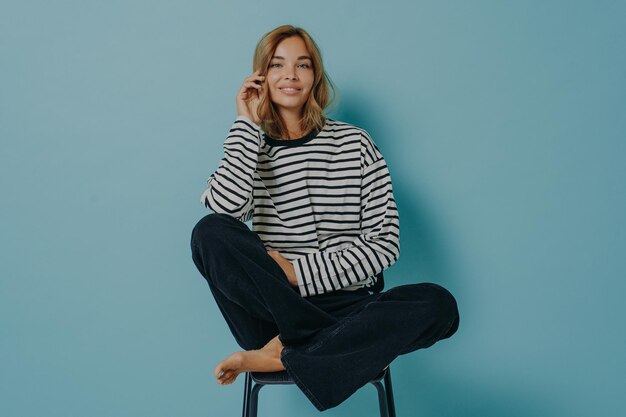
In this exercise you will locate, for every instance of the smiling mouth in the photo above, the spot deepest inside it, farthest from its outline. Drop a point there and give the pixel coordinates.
(290, 91)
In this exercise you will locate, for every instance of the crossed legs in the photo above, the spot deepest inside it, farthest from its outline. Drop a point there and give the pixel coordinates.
(279, 329)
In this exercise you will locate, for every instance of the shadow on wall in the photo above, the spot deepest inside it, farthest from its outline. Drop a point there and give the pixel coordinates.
(420, 389)
(428, 392)
(422, 253)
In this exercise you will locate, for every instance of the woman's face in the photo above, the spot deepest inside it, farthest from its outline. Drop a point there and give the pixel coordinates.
(290, 75)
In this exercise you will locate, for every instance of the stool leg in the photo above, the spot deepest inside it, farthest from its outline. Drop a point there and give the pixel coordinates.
(389, 391)
(246, 395)
(382, 399)
(254, 399)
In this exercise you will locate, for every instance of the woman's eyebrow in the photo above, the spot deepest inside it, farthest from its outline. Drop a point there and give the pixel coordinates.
(299, 58)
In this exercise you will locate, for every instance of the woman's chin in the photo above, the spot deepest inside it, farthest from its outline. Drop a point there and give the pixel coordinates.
(289, 106)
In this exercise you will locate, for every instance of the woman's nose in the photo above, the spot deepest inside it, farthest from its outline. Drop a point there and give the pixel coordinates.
(291, 73)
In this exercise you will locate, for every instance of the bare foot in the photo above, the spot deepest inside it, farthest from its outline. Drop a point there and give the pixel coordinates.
(266, 359)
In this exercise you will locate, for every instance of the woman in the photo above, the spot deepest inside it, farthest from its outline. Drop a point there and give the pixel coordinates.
(302, 291)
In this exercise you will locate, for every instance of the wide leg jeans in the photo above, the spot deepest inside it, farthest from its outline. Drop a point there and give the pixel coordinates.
(336, 342)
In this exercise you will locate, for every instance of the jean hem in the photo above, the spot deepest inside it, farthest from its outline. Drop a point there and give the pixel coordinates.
(299, 383)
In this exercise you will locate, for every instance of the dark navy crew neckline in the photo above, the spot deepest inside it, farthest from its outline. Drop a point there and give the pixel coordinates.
(291, 142)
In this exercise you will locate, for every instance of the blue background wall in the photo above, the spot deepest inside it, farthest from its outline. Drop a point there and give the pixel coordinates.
(502, 123)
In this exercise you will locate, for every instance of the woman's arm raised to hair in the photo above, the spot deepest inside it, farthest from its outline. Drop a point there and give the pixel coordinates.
(230, 186)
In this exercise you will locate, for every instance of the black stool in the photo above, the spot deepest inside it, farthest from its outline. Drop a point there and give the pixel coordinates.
(257, 380)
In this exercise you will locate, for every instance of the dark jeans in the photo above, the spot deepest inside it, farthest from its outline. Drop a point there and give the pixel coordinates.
(334, 342)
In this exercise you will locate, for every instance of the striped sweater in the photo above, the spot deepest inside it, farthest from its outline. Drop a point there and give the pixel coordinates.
(324, 201)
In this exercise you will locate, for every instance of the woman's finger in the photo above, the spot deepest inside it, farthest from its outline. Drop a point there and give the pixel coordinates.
(255, 77)
(223, 377)
(248, 85)
(253, 84)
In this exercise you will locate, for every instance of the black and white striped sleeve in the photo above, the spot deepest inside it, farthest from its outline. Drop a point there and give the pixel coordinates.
(374, 250)
(229, 188)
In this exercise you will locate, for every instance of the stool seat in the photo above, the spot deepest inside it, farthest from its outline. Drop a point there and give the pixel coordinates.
(283, 378)
(269, 378)
(257, 380)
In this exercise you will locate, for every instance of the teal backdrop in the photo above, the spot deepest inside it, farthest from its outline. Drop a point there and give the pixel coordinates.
(503, 126)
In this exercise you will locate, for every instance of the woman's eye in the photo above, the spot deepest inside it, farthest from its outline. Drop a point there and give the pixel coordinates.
(302, 65)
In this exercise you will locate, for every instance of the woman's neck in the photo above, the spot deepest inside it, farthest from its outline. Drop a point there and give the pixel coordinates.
(292, 123)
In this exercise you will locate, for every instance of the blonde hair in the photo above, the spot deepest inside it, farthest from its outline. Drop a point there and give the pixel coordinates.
(320, 98)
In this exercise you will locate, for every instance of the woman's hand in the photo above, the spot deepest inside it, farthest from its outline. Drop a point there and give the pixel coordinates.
(286, 266)
(249, 96)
